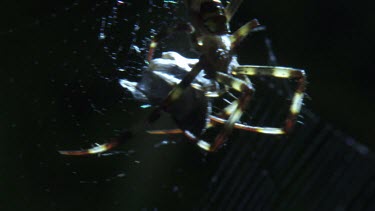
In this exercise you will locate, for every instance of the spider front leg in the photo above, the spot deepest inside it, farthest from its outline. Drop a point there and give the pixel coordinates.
(280, 72)
(247, 90)
(243, 32)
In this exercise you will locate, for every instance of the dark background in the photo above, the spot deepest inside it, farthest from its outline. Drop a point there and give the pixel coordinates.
(53, 71)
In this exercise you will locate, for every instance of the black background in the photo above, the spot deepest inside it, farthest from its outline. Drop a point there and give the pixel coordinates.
(49, 48)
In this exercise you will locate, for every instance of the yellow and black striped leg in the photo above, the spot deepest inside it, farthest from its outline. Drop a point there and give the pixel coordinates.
(176, 92)
(242, 32)
(99, 148)
(229, 109)
(241, 86)
(266, 130)
(280, 72)
(164, 33)
(165, 132)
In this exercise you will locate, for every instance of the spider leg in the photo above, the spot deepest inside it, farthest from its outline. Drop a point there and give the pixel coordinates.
(266, 130)
(164, 132)
(242, 32)
(225, 113)
(229, 109)
(232, 8)
(164, 33)
(99, 148)
(280, 72)
(176, 92)
(241, 86)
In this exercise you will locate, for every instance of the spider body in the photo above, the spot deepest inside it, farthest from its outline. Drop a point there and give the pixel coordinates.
(209, 28)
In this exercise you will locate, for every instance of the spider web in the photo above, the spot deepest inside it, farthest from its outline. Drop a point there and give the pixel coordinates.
(126, 36)
(61, 91)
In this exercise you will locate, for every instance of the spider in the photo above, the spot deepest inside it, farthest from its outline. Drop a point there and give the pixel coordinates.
(173, 81)
(210, 31)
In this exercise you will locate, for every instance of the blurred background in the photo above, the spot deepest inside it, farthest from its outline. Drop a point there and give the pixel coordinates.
(59, 90)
